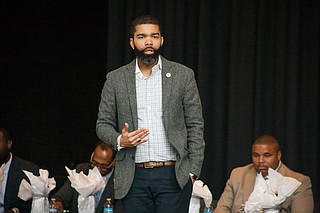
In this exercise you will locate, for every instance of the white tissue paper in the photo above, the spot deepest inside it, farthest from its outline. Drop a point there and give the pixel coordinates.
(86, 186)
(199, 191)
(38, 189)
(270, 193)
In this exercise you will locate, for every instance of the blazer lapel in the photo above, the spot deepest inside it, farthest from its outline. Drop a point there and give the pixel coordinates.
(167, 75)
(130, 79)
(11, 181)
(107, 193)
(282, 169)
(249, 184)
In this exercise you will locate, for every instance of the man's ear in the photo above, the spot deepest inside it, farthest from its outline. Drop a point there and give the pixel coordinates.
(9, 144)
(132, 43)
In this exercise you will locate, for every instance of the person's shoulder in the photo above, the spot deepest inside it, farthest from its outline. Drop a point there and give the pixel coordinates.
(242, 170)
(291, 173)
(25, 164)
(83, 167)
(122, 68)
(175, 65)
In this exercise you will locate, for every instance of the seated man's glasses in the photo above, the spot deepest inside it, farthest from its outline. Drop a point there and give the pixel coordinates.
(103, 167)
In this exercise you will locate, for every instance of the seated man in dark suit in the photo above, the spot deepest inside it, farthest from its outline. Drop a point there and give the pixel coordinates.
(102, 158)
(11, 176)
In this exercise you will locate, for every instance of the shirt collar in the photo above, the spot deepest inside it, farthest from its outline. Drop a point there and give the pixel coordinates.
(8, 164)
(278, 166)
(107, 176)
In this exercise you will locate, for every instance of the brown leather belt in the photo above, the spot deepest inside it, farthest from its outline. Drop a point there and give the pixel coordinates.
(153, 164)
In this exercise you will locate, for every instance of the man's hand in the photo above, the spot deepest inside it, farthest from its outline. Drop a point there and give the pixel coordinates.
(59, 205)
(133, 139)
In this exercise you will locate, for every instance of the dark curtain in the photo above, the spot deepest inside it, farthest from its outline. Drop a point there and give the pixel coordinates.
(256, 65)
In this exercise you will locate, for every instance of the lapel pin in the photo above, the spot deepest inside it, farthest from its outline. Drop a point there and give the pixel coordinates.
(168, 75)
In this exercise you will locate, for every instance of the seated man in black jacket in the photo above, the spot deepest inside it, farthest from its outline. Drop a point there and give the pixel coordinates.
(102, 158)
(11, 175)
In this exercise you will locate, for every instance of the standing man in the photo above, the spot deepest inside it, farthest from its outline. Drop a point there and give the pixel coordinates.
(11, 175)
(102, 158)
(150, 110)
(265, 154)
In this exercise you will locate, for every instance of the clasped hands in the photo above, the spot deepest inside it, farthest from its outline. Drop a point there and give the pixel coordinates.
(134, 138)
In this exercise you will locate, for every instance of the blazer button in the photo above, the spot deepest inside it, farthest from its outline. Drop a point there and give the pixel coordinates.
(132, 157)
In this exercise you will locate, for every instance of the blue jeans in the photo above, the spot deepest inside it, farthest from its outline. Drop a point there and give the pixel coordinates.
(157, 191)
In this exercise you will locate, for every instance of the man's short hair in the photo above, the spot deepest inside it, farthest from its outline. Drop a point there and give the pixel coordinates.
(144, 19)
(267, 140)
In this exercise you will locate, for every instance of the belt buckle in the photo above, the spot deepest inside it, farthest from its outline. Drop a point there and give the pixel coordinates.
(148, 165)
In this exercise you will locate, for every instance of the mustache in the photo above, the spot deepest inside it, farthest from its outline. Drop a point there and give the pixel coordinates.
(148, 48)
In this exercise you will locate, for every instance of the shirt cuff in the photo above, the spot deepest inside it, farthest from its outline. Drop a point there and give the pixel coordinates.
(118, 143)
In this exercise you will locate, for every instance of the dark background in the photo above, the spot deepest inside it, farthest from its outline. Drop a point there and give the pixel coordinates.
(256, 65)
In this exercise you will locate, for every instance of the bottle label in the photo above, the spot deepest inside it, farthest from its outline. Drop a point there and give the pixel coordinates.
(108, 209)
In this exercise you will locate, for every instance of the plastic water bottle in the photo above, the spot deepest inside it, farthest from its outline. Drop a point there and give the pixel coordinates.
(52, 205)
(208, 210)
(108, 207)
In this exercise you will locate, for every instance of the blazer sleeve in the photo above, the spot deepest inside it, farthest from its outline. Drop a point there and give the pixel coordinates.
(226, 199)
(15, 176)
(194, 124)
(65, 195)
(107, 122)
(302, 198)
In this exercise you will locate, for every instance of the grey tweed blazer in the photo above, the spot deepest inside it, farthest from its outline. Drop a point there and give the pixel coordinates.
(182, 118)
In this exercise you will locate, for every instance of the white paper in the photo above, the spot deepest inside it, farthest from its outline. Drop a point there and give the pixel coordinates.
(270, 193)
(38, 189)
(199, 191)
(86, 186)
(86, 204)
(25, 190)
(194, 206)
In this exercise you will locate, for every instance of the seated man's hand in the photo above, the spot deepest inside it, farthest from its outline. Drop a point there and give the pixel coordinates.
(59, 205)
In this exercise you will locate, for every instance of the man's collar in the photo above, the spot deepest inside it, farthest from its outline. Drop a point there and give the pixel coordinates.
(8, 164)
(107, 176)
(278, 166)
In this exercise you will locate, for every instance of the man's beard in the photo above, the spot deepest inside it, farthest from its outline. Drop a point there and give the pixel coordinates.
(145, 58)
(4, 155)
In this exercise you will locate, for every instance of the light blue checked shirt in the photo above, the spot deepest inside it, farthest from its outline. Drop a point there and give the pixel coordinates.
(149, 105)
